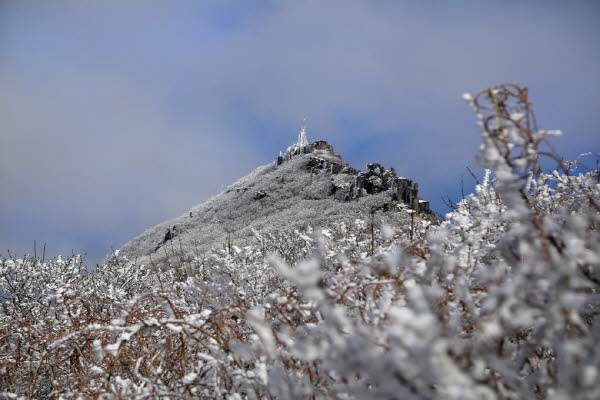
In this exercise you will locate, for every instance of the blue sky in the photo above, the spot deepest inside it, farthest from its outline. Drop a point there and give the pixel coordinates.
(115, 116)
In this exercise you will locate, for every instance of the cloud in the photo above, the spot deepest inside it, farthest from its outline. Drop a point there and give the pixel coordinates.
(115, 116)
(87, 154)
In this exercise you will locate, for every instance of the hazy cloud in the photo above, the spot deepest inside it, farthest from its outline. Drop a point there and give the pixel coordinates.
(115, 116)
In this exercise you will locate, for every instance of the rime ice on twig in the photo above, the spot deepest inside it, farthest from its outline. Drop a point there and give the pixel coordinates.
(499, 301)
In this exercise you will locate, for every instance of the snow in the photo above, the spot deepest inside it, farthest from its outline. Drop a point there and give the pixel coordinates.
(294, 196)
(499, 300)
(189, 378)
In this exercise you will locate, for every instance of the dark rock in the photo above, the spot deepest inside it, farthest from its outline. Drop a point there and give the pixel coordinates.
(374, 185)
(375, 168)
(424, 207)
(348, 170)
(360, 182)
(336, 168)
(322, 145)
(375, 179)
(170, 235)
(316, 164)
(260, 195)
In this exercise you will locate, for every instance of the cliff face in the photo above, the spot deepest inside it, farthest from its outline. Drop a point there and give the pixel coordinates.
(308, 185)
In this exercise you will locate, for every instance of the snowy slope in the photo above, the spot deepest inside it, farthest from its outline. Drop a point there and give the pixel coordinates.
(299, 192)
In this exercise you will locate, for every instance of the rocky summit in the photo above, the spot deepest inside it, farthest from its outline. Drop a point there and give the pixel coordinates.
(307, 186)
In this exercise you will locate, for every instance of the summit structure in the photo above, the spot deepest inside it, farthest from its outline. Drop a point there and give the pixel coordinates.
(302, 140)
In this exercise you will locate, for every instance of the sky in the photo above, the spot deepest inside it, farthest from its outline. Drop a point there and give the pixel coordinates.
(115, 116)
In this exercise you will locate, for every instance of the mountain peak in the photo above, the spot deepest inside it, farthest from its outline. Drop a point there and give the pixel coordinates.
(308, 185)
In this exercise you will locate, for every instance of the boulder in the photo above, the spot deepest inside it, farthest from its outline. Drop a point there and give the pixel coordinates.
(336, 168)
(260, 195)
(316, 164)
(322, 145)
(375, 184)
(169, 235)
(424, 207)
(348, 170)
(376, 168)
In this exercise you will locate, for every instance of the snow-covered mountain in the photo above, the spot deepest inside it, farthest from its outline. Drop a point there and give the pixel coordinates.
(308, 185)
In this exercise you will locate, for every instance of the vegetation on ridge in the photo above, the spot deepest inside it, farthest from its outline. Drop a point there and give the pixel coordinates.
(501, 300)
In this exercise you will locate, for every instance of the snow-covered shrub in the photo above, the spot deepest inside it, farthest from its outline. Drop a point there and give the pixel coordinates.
(499, 301)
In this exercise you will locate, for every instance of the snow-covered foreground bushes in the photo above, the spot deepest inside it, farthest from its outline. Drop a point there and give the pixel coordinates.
(501, 300)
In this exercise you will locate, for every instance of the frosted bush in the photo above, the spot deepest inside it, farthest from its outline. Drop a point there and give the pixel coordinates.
(498, 301)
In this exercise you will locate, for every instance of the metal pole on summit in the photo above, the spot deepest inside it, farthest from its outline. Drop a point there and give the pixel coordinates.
(302, 140)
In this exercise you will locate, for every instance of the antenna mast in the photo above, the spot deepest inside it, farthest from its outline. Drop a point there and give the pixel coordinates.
(302, 140)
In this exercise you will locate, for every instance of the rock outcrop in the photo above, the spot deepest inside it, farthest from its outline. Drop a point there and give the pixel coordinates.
(375, 179)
